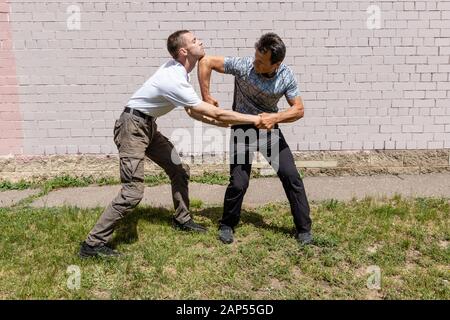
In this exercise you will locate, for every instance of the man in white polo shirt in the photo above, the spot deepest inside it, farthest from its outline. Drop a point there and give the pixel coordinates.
(137, 137)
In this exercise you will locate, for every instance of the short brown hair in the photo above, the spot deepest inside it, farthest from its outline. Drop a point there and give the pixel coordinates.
(175, 42)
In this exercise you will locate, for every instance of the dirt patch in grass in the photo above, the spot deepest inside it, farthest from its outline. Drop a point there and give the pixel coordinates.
(266, 292)
(101, 294)
(372, 249)
(443, 244)
(412, 257)
(170, 271)
(373, 294)
(297, 273)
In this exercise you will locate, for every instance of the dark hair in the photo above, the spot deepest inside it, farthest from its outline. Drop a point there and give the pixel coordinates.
(175, 42)
(271, 41)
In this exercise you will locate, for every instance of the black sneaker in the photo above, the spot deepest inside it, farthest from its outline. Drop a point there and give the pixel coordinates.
(101, 251)
(304, 238)
(226, 234)
(189, 225)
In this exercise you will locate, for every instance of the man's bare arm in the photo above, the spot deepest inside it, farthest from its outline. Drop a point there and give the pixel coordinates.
(294, 113)
(225, 116)
(199, 117)
(205, 67)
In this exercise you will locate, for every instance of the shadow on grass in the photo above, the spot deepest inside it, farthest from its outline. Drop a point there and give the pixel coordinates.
(126, 231)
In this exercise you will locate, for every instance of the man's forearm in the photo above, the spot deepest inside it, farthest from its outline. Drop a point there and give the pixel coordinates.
(199, 117)
(290, 115)
(269, 120)
(204, 77)
(226, 116)
(232, 117)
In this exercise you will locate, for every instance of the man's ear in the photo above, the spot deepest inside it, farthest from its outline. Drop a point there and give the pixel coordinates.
(182, 52)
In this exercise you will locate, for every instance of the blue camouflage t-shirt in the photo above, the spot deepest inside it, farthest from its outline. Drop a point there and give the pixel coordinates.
(254, 93)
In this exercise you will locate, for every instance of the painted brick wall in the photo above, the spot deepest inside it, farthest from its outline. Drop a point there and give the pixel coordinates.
(386, 88)
(11, 136)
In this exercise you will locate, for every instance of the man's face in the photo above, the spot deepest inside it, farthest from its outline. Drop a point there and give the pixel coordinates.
(193, 46)
(263, 64)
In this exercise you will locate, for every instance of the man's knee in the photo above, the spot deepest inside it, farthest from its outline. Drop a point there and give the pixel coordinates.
(186, 170)
(135, 200)
(130, 196)
(181, 171)
(291, 177)
(239, 184)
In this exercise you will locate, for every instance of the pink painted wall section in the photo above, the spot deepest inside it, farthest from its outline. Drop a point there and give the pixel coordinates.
(11, 136)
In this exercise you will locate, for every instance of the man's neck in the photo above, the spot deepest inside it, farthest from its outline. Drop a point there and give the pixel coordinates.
(189, 64)
(269, 75)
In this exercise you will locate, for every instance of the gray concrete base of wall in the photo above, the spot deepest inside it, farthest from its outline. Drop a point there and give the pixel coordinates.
(313, 163)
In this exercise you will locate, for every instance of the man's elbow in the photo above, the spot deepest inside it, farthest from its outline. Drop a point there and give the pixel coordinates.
(300, 113)
(204, 63)
(210, 111)
(219, 114)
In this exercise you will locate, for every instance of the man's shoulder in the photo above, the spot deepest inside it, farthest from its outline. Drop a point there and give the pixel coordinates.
(172, 70)
(244, 61)
(286, 74)
(284, 68)
(245, 58)
(172, 67)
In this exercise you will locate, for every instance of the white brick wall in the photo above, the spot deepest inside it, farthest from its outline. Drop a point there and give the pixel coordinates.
(363, 89)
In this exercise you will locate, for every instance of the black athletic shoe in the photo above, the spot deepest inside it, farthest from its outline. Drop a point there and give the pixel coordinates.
(226, 234)
(101, 251)
(304, 238)
(189, 225)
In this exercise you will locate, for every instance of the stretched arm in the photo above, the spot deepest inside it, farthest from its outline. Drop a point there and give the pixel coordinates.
(205, 67)
(294, 113)
(199, 117)
(225, 116)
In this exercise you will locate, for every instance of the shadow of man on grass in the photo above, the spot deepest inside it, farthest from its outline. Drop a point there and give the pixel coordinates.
(126, 230)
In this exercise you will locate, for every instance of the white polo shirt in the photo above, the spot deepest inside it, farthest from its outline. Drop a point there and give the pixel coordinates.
(167, 89)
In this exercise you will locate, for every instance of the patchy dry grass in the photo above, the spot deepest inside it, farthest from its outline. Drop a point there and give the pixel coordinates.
(406, 238)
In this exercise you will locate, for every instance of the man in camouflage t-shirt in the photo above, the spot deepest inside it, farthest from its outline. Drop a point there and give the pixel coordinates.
(260, 82)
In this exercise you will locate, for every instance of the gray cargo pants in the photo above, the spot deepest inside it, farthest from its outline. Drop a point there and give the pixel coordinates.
(137, 137)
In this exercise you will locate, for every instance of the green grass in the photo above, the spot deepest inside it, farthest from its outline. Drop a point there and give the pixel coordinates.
(155, 180)
(211, 178)
(66, 181)
(21, 185)
(47, 185)
(196, 203)
(407, 238)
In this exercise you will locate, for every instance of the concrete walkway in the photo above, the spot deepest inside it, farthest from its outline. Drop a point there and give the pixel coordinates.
(9, 198)
(260, 192)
